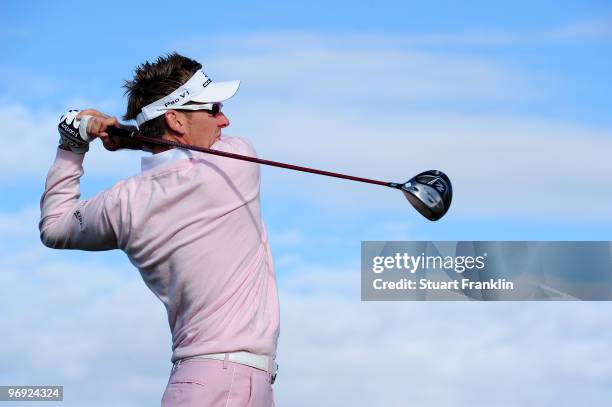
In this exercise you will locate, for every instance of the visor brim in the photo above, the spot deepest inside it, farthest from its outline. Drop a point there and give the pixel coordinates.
(217, 92)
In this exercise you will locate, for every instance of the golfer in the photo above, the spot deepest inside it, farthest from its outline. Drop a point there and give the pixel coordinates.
(190, 222)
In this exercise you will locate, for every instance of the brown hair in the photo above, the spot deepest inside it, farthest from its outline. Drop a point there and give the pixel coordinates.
(153, 81)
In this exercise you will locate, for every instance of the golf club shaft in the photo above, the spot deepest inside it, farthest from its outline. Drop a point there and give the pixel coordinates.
(127, 133)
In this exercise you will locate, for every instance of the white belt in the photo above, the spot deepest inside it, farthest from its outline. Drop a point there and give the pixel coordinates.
(244, 358)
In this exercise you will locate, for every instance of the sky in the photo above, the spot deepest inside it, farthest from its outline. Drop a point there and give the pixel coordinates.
(510, 99)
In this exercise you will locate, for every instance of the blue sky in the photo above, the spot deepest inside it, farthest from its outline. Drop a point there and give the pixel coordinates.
(510, 99)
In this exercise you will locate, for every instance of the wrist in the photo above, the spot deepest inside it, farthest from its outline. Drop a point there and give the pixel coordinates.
(66, 147)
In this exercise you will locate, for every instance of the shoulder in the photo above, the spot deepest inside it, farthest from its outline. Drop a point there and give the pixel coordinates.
(124, 189)
(238, 169)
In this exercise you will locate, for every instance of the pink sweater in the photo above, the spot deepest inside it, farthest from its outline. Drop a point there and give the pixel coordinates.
(191, 224)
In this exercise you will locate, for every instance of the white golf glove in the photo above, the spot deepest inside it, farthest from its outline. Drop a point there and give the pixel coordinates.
(72, 134)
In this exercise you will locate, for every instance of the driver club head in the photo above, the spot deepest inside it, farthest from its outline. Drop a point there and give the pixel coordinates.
(430, 193)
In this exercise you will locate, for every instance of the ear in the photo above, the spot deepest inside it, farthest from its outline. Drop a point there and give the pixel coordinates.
(176, 122)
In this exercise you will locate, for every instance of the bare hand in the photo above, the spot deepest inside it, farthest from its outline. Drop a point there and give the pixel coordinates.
(97, 125)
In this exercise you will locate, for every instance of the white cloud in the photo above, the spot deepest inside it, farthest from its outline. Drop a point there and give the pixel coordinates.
(13, 225)
(79, 320)
(88, 323)
(34, 140)
(350, 105)
(289, 237)
(577, 30)
(85, 326)
(297, 67)
(17, 82)
(499, 166)
(447, 354)
(364, 108)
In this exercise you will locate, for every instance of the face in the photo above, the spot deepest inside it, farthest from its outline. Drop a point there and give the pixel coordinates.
(200, 127)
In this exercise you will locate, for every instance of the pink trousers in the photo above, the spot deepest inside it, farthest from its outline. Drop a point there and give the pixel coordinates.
(208, 382)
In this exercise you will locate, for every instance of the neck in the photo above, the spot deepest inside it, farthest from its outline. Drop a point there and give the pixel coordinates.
(156, 149)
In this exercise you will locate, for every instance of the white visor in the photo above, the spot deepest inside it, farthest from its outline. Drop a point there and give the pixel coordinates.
(199, 88)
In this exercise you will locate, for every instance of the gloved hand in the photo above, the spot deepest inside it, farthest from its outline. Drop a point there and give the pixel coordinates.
(70, 135)
(96, 123)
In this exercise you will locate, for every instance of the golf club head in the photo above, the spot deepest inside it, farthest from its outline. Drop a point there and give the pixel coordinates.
(430, 193)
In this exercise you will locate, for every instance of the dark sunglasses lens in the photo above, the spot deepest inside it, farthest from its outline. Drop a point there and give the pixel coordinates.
(216, 109)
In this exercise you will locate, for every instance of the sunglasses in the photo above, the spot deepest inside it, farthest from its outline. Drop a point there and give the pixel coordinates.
(213, 108)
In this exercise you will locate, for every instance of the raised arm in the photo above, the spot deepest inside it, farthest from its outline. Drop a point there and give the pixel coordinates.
(67, 222)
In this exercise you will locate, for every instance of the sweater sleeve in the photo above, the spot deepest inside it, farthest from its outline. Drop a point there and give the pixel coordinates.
(67, 222)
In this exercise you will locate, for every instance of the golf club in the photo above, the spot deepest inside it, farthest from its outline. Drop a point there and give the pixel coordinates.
(429, 192)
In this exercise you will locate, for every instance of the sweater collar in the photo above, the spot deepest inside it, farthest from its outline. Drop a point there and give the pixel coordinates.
(164, 158)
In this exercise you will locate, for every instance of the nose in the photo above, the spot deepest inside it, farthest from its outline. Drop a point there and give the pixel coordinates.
(222, 120)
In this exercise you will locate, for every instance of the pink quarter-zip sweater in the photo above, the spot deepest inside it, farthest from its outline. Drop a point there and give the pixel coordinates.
(191, 223)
